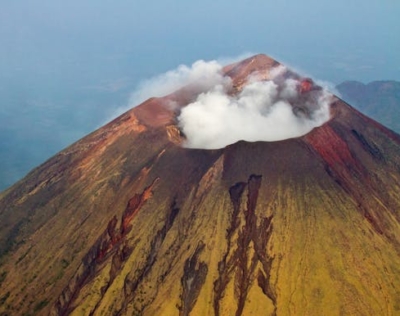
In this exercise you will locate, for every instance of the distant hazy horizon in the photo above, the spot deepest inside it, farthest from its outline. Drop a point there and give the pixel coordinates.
(66, 67)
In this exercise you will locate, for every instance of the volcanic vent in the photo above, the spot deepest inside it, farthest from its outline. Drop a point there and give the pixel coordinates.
(127, 221)
(267, 105)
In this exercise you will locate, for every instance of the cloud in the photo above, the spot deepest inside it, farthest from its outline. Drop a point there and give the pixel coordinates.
(270, 110)
(203, 75)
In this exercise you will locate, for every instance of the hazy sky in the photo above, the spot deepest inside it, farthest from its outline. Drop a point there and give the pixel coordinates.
(66, 66)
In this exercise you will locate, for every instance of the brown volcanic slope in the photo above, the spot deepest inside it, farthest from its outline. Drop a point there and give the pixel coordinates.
(127, 222)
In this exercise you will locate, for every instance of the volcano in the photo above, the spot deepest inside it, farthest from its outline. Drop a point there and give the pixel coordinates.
(127, 221)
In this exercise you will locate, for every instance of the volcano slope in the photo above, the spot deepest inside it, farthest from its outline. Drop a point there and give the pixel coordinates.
(128, 222)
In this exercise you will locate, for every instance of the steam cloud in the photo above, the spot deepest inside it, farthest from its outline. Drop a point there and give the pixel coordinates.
(270, 110)
(204, 75)
(263, 111)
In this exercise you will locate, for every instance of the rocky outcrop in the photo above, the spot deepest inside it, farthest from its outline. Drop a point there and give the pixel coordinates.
(237, 262)
(111, 243)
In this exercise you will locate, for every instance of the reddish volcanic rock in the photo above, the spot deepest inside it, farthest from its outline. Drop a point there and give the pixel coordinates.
(306, 85)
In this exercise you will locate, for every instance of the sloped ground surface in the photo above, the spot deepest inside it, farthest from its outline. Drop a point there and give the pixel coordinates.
(127, 222)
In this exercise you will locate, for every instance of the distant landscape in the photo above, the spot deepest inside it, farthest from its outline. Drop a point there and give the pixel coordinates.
(60, 118)
(379, 100)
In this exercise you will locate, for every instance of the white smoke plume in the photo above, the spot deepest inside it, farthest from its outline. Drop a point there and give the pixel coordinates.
(270, 110)
(204, 75)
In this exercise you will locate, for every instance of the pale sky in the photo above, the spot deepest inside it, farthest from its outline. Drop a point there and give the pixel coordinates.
(65, 66)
